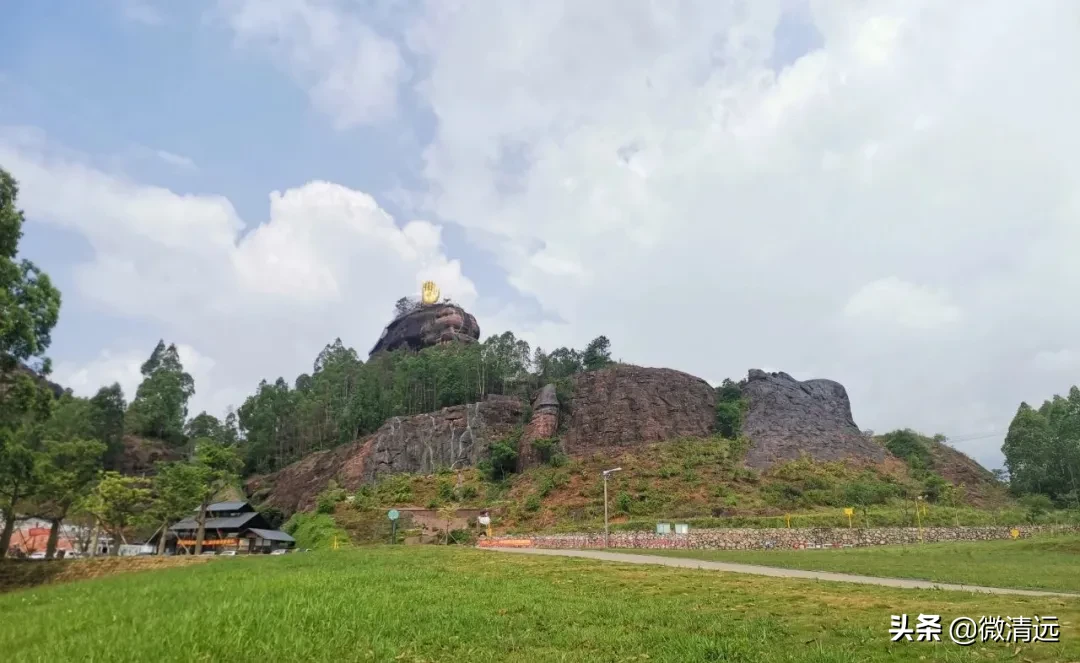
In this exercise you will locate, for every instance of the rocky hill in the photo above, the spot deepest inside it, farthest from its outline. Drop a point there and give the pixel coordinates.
(428, 325)
(610, 408)
(787, 418)
(606, 414)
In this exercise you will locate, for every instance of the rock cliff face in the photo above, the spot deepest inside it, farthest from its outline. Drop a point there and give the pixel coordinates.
(427, 326)
(787, 418)
(457, 436)
(626, 405)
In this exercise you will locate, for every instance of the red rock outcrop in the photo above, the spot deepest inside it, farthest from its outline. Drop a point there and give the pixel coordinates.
(626, 405)
(543, 424)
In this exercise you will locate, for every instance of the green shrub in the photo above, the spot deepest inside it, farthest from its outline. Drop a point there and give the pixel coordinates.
(546, 448)
(1037, 506)
(446, 490)
(467, 492)
(328, 499)
(315, 531)
(623, 502)
(910, 447)
(546, 485)
(558, 459)
(503, 459)
(462, 537)
(532, 503)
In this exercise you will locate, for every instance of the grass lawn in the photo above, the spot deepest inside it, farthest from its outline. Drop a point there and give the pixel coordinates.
(1050, 562)
(428, 603)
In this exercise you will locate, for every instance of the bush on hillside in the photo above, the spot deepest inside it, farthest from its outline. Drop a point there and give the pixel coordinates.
(503, 459)
(910, 447)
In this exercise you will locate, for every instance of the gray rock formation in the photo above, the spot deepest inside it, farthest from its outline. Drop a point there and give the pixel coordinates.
(626, 405)
(429, 325)
(787, 418)
(457, 436)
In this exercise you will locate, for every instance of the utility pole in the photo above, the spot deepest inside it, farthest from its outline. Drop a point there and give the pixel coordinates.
(607, 535)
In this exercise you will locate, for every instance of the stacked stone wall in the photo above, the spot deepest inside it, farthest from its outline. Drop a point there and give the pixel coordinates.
(760, 539)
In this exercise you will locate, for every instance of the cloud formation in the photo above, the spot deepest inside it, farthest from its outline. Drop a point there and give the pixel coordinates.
(350, 72)
(895, 209)
(244, 304)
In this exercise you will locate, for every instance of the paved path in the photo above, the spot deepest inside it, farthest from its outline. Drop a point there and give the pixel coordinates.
(686, 563)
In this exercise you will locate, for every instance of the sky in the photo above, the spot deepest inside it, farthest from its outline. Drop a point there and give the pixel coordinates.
(884, 193)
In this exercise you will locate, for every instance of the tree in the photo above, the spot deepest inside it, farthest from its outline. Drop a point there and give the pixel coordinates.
(116, 502)
(29, 308)
(205, 425)
(29, 304)
(447, 513)
(160, 406)
(177, 490)
(216, 466)
(597, 353)
(1042, 449)
(25, 404)
(66, 470)
(107, 409)
(405, 305)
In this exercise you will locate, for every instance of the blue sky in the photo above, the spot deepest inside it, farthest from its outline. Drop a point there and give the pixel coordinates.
(716, 186)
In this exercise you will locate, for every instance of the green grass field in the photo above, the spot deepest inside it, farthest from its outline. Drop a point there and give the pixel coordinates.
(449, 604)
(1051, 562)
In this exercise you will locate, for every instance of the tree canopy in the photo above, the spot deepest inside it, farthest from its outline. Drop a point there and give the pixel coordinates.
(1042, 449)
(160, 406)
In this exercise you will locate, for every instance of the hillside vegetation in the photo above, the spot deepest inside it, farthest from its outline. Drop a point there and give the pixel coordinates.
(696, 480)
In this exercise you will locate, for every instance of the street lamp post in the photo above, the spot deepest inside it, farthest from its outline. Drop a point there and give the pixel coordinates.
(607, 536)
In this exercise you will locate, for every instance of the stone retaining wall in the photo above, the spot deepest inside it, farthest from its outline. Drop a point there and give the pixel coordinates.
(793, 538)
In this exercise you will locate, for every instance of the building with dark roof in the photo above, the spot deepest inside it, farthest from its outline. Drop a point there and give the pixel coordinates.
(229, 526)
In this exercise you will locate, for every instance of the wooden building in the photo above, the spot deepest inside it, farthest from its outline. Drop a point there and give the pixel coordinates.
(229, 526)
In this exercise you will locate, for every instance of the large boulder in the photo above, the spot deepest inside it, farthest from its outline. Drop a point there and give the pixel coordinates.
(627, 405)
(429, 325)
(457, 436)
(787, 418)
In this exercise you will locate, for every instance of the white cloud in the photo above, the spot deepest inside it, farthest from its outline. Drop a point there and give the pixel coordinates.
(891, 301)
(176, 160)
(350, 72)
(921, 140)
(329, 262)
(1064, 360)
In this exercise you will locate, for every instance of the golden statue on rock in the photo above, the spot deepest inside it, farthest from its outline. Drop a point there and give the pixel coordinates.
(429, 293)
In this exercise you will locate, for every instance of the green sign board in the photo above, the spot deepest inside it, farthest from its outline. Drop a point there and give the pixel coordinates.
(393, 515)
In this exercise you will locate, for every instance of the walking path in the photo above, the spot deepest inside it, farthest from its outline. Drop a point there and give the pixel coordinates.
(686, 563)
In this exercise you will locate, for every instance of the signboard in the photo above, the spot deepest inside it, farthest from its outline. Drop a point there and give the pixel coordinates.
(682, 528)
(393, 514)
(484, 520)
(1014, 533)
(849, 511)
(663, 528)
(208, 542)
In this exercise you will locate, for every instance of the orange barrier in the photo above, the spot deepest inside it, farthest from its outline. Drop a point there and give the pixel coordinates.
(505, 543)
